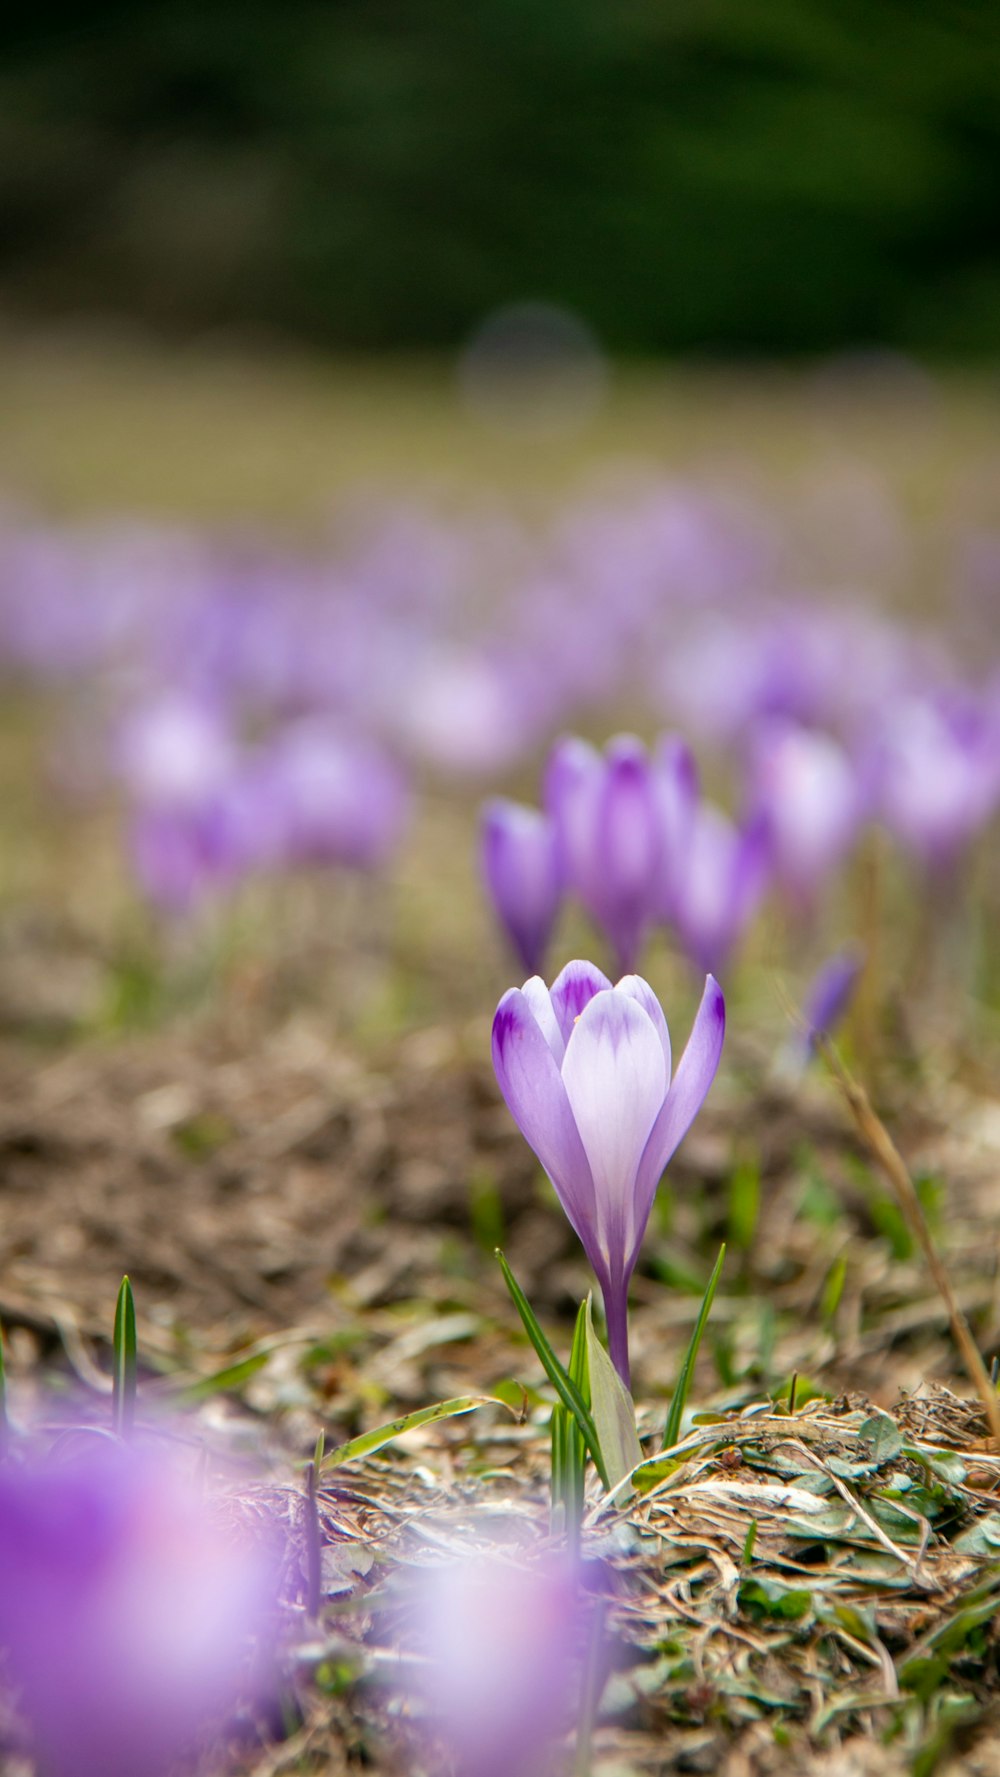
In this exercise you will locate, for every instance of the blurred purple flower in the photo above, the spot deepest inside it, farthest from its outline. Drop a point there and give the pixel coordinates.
(519, 869)
(585, 1070)
(935, 767)
(128, 1610)
(501, 1642)
(175, 752)
(724, 877)
(329, 798)
(459, 709)
(830, 993)
(826, 1000)
(183, 855)
(676, 789)
(607, 818)
(806, 792)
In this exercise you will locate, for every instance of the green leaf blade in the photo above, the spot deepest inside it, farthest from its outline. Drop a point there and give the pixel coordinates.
(561, 1381)
(672, 1429)
(125, 1363)
(371, 1441)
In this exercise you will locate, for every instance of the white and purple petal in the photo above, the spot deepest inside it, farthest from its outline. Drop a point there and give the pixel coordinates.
(540, 1000)
(628, 847)
(640, 991)
(615, 1078)
(518, 864)
(573, 989)
(695, 1072)
(531, 1083)
(573, 779)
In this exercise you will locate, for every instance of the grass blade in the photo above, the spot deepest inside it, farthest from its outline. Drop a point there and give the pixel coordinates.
(370, 1441)
(576, 1448)
(569, 1452)
(314, 1546)
(124, 1381)
(228, 1380)
(563, 1383)
(672, 1429)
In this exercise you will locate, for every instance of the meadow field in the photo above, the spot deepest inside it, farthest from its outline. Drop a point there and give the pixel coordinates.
(273, 629)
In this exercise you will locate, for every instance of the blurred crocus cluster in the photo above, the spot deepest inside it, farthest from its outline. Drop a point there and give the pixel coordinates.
(208, 811)
(135, 1616)
(267, 704)
(628, 833)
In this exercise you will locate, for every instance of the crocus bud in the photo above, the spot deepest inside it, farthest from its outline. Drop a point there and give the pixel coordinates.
(606, 812)
(130, 1612)
(827, 999)
(586, 1072)
(518, 862)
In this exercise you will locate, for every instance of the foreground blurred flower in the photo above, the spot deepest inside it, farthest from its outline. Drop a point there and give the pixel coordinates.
(501, 1646)
(518, 857)
(585, 1071)
(128, 1610)
(608, 820)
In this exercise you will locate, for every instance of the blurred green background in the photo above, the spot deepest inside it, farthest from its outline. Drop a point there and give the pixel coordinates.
(707, 176)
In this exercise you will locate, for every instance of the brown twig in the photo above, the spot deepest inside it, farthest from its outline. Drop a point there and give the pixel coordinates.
(881, 1145)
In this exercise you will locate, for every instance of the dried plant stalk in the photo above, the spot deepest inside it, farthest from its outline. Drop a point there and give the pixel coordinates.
(883, 1149)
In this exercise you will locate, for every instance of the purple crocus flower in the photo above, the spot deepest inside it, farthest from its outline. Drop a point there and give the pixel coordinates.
(830, 992)
(128, 1611)
(585, 1071)
(936, 771)
(720, 887)
(827, 998)
(178, 856)
(607, 817)
(806, 792)
(327, 797)
(519, 869)
(183, 855)
(175, 752)
(676, 781)
(500, 1639)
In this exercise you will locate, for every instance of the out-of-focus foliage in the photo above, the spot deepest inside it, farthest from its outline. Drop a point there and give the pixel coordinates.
(707, 174)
